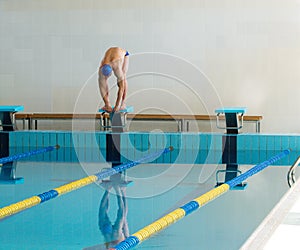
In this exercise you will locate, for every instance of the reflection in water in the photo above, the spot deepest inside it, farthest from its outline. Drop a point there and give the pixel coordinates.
(117, 231)
(8, 174)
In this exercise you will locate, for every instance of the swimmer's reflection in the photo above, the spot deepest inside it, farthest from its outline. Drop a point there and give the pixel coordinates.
(117, 230)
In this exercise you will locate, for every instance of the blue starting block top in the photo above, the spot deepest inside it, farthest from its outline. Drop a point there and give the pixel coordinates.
(128, 109)
(11, 108)
(231, 110)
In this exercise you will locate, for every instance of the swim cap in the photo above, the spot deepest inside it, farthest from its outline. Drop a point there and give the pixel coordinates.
(106, 70)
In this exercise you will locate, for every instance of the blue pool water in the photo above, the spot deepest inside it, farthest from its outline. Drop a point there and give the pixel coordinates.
(80, 219)
(71, 221)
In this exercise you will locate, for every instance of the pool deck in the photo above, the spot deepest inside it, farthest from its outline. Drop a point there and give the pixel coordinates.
(281, 228)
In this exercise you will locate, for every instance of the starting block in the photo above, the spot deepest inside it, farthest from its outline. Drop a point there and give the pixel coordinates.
(116, 120)
(231, 117)
(8, 123)
(233, 122)
(7, 117)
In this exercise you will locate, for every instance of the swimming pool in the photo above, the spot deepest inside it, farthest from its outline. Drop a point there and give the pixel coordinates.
(75, 220)
(71, 221)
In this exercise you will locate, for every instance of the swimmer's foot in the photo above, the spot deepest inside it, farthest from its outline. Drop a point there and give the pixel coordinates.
(107, 108)
(123, 106)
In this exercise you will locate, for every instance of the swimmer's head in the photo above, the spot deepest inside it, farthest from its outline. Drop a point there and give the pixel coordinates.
(106, 70)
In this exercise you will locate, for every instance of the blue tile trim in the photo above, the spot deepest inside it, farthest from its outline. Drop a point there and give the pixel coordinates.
(145, 142)
(127, 147)
(270, 143)
(285, 143)
(53, 138)
(68, 140)
(217, 142)
(203, 142)
(257, 142)
(252, 148)
(262, 143)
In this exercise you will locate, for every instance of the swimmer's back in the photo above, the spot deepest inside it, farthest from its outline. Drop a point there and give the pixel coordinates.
(113, 54)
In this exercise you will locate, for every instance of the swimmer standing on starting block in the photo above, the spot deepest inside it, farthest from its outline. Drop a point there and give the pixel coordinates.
(115, 60)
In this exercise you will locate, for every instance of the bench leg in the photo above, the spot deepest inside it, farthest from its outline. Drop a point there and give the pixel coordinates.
(258, 126)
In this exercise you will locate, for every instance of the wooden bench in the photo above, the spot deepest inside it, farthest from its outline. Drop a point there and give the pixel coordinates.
(35, 117)
(24, 117)
(183, 120)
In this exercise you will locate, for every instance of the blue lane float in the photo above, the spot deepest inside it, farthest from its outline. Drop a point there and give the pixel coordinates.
(27, 154)
(179, 213)
(239, 179)
(40, 198)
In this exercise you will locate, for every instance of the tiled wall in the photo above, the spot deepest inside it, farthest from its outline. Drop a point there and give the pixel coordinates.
(188, 147)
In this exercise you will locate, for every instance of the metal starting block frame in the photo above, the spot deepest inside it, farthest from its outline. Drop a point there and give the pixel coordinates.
(116, 120)
(231, 117)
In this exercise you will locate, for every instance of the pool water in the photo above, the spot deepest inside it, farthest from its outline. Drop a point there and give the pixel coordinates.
(71, 221)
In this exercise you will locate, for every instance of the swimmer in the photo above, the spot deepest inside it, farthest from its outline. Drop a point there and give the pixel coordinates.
(117, 232)
(115, 60)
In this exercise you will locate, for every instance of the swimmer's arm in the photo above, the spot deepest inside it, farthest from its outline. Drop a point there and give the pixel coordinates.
(121, 77)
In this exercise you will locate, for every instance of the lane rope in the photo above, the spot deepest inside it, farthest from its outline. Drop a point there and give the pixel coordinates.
(40, 198)
(192, 206)
(27, 154)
